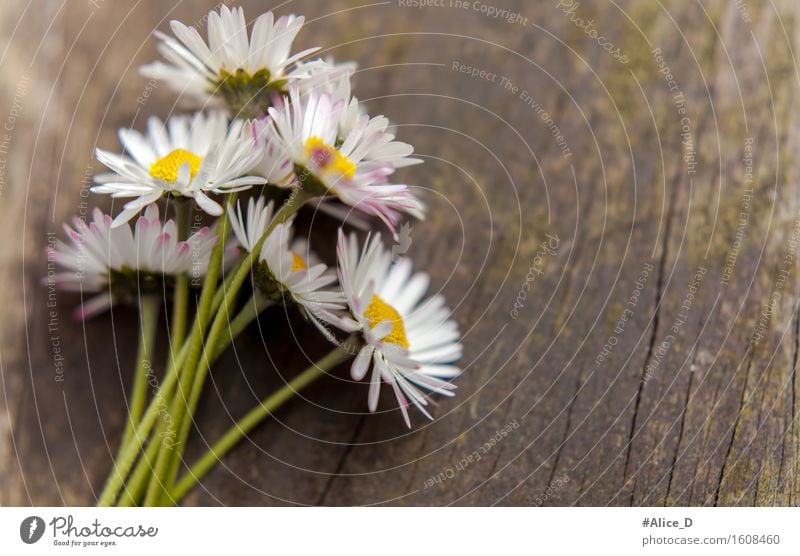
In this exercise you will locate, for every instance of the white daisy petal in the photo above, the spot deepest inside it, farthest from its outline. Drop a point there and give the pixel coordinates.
(361, 363)
(207, 204)
(375, 385)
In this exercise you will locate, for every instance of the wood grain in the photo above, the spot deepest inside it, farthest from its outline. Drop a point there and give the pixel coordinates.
(686, 396)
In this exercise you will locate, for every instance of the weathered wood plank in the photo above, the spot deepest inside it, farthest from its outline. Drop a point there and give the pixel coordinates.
(685, 396)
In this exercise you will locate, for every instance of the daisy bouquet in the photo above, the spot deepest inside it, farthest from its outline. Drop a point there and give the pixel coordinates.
(274, 131)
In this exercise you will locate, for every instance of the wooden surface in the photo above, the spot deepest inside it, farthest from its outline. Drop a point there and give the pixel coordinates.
(695, 402)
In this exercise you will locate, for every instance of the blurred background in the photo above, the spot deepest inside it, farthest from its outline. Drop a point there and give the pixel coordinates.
(612, 217)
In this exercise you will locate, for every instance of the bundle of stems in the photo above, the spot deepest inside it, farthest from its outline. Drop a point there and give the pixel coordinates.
(151, 454)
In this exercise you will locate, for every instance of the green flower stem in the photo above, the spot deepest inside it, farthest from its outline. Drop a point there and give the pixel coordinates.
(138, 480)
(205, 304)
(130, 451)
(215, 336)
(180, 304)
(157, 491)
(256, 415)
(219, 294)
(142, 473)
(148, 318)
(229, 292)
(248, 313)
(186, 381)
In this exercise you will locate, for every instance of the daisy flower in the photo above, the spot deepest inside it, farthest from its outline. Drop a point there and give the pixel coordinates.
(231, 66)
(117, 263)
(353, 168)
(409, 343)
(191, 157)
(287, 267)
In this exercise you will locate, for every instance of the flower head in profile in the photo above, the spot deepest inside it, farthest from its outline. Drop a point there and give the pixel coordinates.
(409, 343)
(353, 168)
(120, 263)
(191, 157)
(287, 267)
(325, 76)
(232, 67)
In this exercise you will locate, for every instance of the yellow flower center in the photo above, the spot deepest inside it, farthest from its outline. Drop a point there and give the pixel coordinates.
(379, 311)
(298, 263)
(328, 158)
(166, 168)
